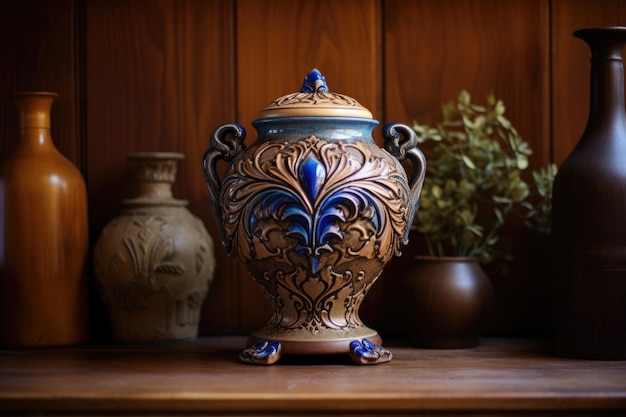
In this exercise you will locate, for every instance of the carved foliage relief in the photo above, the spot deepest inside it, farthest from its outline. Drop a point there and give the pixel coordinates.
(315, 221)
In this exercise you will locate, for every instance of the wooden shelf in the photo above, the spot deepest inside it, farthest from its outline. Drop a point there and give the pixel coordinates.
(500, 376)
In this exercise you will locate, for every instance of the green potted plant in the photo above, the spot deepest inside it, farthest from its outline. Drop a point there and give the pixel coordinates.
(474, 184)
(538, 217)
(474, 180)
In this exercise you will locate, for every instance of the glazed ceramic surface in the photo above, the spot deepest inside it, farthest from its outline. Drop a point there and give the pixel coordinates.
(44, 242)
(315, 209)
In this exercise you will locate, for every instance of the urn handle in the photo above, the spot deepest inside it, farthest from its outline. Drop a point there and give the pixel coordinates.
(227, 142)
(401, 142)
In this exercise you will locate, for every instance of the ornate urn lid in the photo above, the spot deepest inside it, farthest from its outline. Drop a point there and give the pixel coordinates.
(314, 100)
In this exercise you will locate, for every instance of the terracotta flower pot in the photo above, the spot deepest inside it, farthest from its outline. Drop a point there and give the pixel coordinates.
(443, 301)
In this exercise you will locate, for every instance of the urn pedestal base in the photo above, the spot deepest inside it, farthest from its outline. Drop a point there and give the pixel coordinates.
(267, 345)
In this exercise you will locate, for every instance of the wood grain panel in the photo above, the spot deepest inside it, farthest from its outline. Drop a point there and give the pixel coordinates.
(435, 49)
(278, 43)
(571, 65)
(38, 52)
(160, 78)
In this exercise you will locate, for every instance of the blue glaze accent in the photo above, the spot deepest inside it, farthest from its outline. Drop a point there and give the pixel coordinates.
(262, 350)
(358, 198)
(290, 209)
(364, 352)
(312, 177)
(353, 129)
(362, 347)
(313, 225)
(314, 82)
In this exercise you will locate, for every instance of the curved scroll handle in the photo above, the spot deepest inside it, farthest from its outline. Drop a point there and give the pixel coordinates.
(226, 143)
(406, 147)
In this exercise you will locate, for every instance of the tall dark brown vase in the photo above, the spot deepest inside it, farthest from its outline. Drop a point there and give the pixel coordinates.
(589, 215)
(44, 245)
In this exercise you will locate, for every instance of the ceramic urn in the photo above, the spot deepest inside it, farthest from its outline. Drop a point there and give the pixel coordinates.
(315, 209)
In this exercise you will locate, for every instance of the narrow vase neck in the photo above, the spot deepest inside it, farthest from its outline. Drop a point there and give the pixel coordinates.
(156, 173)
(606, 106)
(155, 190)
(607, 89)
(34, 117)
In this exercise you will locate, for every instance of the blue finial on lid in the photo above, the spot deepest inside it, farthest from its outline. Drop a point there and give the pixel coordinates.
(314, 82)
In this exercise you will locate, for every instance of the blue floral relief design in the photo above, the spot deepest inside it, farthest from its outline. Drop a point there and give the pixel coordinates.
(311, 210)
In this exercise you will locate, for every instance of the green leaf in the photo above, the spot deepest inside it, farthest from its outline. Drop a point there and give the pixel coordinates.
(468, 162)
(474, 180)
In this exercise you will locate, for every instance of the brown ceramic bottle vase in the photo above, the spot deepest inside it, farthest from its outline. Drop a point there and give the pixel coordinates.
(154, 262)
(589, 215)
(443, 302)
(44, 241)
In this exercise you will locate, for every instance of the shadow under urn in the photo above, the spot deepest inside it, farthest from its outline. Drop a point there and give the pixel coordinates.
(314, 209)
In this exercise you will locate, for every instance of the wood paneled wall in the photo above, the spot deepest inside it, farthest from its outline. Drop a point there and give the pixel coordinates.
(160, 75)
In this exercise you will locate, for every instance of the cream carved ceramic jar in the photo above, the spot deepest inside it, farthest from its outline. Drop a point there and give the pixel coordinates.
(314, 209)
(154, 262)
